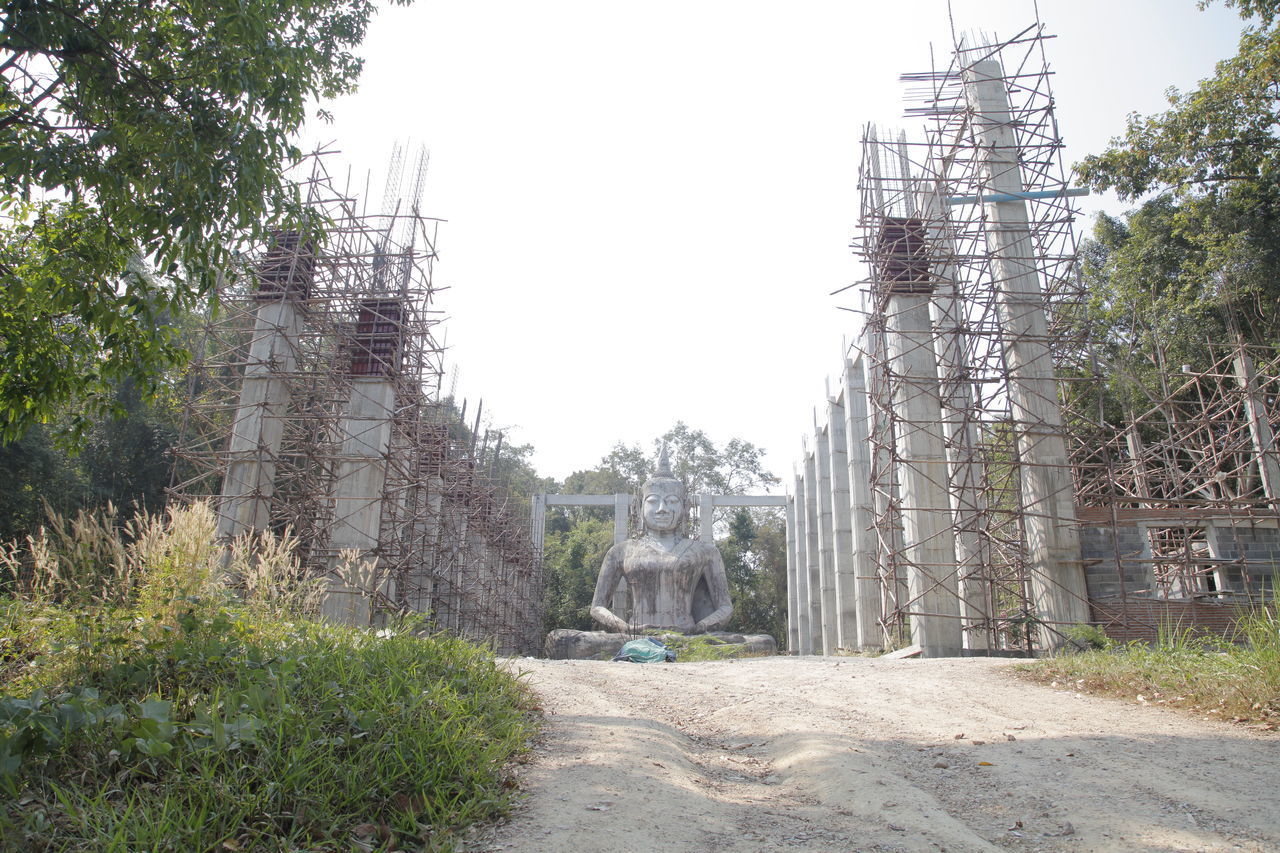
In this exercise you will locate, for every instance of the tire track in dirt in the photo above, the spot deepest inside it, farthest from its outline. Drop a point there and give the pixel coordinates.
(868, 754)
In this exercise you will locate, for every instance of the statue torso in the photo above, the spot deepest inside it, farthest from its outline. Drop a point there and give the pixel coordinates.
(662, 583)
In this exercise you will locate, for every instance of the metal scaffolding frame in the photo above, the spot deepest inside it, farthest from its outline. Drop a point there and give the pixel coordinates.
(966, 233)
(314, 404)
(1011, 493)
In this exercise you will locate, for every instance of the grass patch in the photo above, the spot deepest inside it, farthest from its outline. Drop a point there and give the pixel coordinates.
(702, 647)
(204, 721)
(1237, 681)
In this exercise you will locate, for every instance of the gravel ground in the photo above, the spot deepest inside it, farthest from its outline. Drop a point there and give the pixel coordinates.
(849, 754)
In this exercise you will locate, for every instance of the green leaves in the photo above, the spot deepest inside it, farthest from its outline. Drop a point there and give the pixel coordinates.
(1220, 133)
(1202, 257)
(152, 131)
(278, 735)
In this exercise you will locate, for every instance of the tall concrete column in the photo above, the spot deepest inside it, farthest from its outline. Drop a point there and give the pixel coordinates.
(793, 591)
(538, 525)
(928, 537)
(826, 543)
(361, 472)
(706, 518)
(249, 484)
(433, 526)
(885, 498)
(866, 587)
(804, 642)
(812, 550)
(358, 487)
(842, 529)
(620, 604)
(968, 503)
(1053, 537)
(1264, 440)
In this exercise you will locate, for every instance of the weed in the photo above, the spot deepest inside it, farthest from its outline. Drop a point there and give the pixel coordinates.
(274, 582)
(181, 717)
(1237, 681)
(78, 562)
(701, 647)
(1084, 637)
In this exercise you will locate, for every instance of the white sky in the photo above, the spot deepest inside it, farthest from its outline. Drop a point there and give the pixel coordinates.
(649, 203)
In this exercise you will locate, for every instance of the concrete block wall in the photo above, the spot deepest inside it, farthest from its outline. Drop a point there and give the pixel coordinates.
(1258, 546)
(1099, 547)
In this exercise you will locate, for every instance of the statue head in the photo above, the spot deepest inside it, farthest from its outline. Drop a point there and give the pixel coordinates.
(664, 502)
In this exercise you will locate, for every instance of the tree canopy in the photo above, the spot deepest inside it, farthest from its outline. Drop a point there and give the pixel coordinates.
(135, 135)
(730, 469)
(1201, 254)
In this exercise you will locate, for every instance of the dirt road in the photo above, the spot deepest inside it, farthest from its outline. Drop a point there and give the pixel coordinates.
(866, 754)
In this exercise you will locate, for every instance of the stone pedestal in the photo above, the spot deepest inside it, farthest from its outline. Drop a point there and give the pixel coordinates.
(567, 644)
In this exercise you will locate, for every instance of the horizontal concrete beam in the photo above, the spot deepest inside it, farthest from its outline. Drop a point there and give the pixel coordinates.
(748, 500)
(716, 500)
(582, 500)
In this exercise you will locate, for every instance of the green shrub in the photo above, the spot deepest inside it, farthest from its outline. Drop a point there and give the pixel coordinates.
(236, 729)
(1237, 680)
(183, 717)
(1084, 637)
(700, 648)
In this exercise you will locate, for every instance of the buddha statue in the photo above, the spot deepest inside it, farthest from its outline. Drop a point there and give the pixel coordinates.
(675, 583)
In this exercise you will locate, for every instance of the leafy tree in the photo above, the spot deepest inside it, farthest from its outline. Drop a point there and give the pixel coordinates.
(1219, 134)
(1200, 257)
(571, 561)
(37, 473)
(755, 561)
(127, 459)
(733, 469)
(141, 130)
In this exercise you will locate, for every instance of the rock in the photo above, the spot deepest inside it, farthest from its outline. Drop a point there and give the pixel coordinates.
(567, 644)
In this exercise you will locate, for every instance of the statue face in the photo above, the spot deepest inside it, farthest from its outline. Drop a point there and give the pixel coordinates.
(662, 508)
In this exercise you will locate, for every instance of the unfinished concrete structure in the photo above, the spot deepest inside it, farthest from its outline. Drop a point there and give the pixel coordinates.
(315, 405)
(1007, 501)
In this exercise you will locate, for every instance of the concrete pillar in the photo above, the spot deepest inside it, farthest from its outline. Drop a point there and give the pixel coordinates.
(928, 537)
(884, 479)
(804, 643)
(1053, 537)
(621, 510)
(842, 529)
(826, 544)
(359, 478)
(538, 525)
(812, 551)
(706, 518)
(793, 589)
(968, 502)
(442, 601)
(361, 472)
(620, 604)
(1264, 440)
(866, 589)
(249, 483)
(454, 546)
